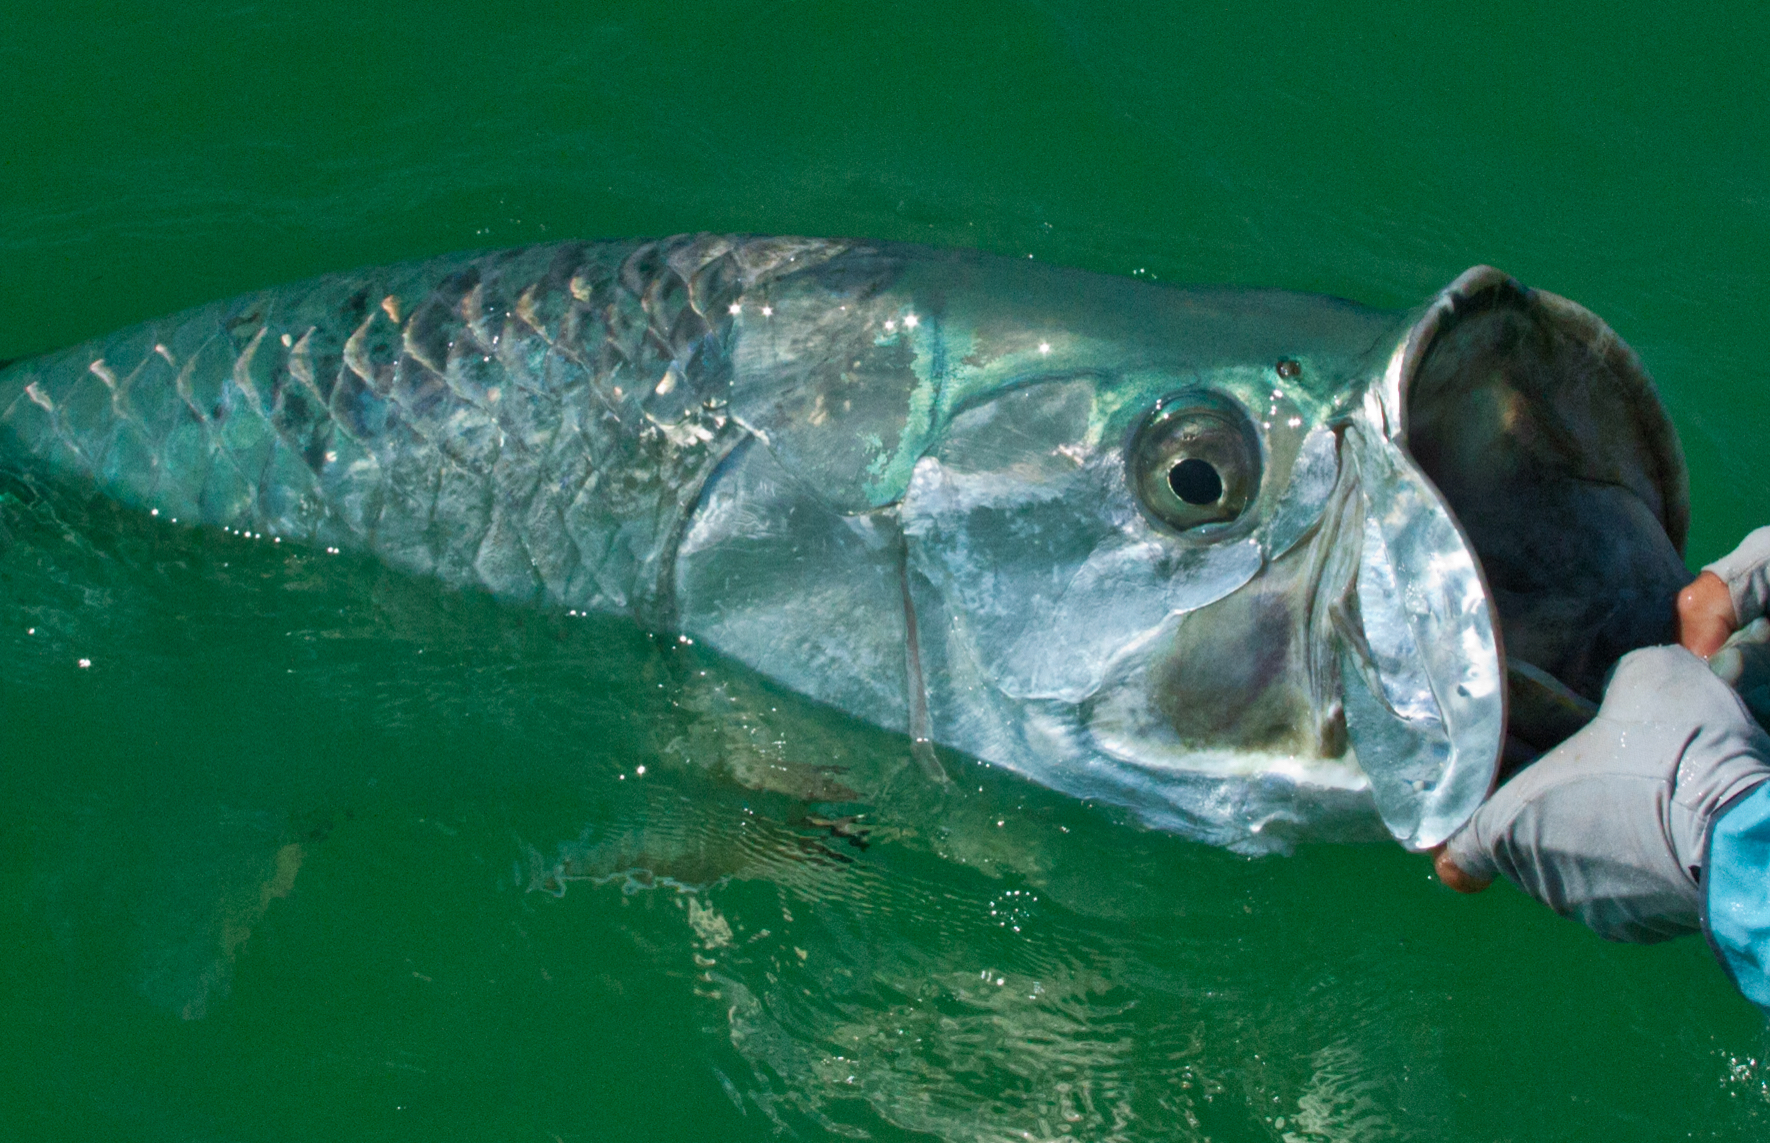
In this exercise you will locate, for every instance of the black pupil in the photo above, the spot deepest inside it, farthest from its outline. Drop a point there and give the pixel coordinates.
(1196, 481)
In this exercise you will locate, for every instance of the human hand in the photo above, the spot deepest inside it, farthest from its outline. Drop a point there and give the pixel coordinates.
(1608, 827)
(1731, 592)
(1557, 846)
(1721, 618)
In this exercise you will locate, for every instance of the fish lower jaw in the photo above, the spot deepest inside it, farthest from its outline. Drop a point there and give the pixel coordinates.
(1340, 774)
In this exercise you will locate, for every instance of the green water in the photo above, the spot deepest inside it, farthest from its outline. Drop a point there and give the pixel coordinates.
(310, 851)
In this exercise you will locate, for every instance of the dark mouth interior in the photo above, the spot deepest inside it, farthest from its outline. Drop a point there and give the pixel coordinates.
(1554, 456)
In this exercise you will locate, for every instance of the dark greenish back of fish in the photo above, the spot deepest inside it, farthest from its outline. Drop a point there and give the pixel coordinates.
(1247, 562)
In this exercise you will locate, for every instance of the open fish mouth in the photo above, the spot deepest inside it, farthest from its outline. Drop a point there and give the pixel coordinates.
(1522, 506)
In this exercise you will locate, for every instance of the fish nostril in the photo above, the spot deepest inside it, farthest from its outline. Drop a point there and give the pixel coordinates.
(1196, 481)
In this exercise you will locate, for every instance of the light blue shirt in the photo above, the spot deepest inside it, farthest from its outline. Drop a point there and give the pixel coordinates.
(1738, 898)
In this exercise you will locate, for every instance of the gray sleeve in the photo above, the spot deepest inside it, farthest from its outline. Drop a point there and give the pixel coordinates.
(1746, 572)
(1608, 827)
(1743, 663)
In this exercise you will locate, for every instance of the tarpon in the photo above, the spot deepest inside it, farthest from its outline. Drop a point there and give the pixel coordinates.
(1257, 565)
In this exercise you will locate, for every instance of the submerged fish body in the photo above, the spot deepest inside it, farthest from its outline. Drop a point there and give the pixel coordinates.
(1242, 561)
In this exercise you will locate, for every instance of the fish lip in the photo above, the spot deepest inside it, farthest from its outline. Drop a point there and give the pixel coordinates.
(1416, 639)
(1470, 288)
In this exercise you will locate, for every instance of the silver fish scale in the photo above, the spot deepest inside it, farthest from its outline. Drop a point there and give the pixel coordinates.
(536, 421)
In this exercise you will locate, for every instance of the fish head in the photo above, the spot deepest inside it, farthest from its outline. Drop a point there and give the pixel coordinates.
(1256, 589)
(1258, 565)
(1126, 562)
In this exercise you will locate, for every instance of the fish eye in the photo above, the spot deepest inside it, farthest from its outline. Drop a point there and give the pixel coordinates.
(1195, 461)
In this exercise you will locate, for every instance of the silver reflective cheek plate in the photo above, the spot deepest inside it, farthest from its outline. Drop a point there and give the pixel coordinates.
(1054, 580)
(1421, 670)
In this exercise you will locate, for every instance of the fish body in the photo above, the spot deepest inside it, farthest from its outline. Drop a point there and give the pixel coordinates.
(1196, 552)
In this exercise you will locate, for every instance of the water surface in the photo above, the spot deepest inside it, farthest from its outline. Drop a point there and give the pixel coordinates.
(312, 851)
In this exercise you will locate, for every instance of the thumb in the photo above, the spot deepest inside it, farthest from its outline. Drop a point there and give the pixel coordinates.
(1452, 874)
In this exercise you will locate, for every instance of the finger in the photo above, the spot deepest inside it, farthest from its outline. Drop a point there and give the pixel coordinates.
(1705, 615)
(1453, 875)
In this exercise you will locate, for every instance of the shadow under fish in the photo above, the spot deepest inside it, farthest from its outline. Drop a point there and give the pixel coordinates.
(1258, 566)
